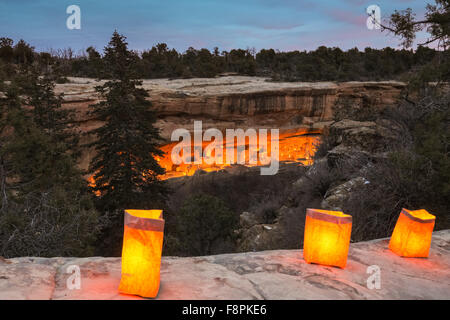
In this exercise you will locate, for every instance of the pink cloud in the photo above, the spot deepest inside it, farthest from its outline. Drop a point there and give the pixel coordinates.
(348, 17)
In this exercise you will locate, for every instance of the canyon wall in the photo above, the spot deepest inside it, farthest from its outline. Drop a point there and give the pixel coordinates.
(236, 102)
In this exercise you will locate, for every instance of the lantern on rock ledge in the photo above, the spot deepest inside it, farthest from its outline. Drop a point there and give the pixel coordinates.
(327, 237)
(412, 233)
(141, 252)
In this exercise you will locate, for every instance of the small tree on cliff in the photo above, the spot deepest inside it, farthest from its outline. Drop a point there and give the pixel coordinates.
(45, 208)
(205, 221)
(436, 23)
(125, 169)
(38, 134)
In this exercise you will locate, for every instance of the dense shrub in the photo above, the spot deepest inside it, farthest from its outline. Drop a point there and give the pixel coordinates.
(239, 191)
(205, 225)
(415, 175)
(246, 191)
(47, 224)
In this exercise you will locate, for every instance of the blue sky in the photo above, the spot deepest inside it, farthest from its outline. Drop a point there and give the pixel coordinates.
(280, 24)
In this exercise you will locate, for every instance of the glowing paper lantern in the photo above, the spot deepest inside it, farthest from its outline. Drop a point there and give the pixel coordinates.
(327, 237)
(141, 252)
(412, 233)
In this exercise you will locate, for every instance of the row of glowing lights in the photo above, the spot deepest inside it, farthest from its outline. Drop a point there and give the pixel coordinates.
(326, 242)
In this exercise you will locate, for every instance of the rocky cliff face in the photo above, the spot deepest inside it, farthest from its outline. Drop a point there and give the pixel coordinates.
(280, 274)
(239, 100)
(236, 102)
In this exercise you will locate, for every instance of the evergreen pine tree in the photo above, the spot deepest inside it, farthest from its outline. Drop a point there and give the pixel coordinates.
(42, 141)
(48, 113)
(125, 169)
(46, 209)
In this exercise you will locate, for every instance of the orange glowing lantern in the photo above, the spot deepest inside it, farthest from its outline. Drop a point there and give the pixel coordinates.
(327, 237)
(141, 252)
(412, 233)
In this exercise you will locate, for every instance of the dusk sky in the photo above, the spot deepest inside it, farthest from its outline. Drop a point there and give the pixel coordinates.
(280, 24)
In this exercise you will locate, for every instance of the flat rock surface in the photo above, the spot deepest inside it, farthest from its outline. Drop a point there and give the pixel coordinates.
(279, 274)
(85, 87)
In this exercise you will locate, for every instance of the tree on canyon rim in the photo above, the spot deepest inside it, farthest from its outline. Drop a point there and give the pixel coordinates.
(125, 169)
(436, 22)
(46, 209)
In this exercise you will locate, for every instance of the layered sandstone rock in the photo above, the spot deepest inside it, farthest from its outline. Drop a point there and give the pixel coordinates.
(279, 274)
(238, 100)
(234, 102)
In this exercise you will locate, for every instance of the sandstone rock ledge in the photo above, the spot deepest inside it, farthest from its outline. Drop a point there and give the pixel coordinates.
(279, 274)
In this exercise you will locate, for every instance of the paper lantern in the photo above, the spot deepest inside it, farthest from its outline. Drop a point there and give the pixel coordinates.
(327, 237)
(141, 252)
(412, 233)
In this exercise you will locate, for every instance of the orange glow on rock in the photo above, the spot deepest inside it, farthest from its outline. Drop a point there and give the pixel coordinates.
(327, 237)
(294, 146)
(412, 234)
(141, 252)
(92, 184)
